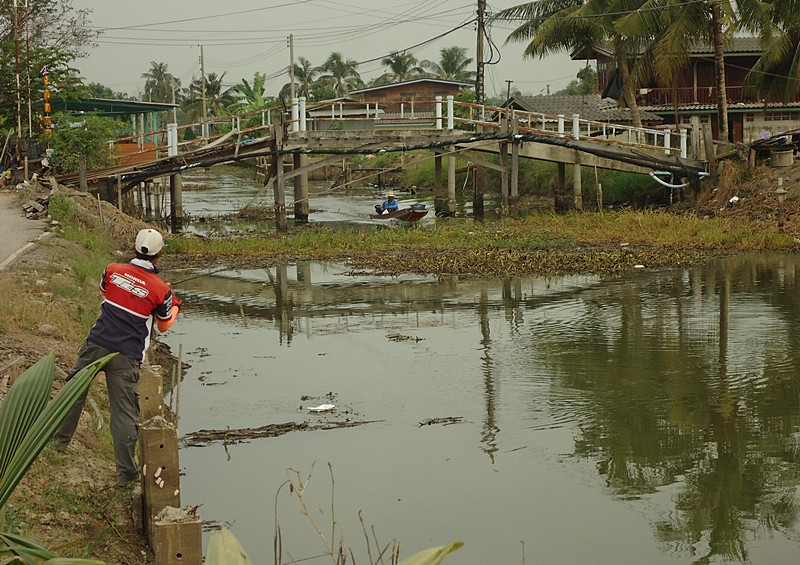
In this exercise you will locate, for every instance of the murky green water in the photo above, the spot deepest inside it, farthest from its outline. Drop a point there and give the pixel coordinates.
(654, 419)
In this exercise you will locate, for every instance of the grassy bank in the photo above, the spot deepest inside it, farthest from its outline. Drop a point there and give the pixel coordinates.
(541, 243)
(68, 501)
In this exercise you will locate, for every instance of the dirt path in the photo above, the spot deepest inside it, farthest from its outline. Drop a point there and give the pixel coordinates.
(17, 231)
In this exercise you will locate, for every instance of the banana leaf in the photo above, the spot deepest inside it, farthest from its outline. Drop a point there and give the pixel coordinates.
(25, 441)
(24, 402)
(432, 556)
(225, 549)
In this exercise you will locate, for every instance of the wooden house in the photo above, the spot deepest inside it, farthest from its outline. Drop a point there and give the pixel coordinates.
(410, 103)
(693, 96)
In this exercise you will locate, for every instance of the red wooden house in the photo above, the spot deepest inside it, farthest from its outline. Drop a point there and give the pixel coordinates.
(695, 92)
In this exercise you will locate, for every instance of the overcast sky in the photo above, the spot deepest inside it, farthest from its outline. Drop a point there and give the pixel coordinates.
(247, 36)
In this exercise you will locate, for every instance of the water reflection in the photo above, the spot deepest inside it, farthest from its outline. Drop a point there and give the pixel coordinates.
(680, 388)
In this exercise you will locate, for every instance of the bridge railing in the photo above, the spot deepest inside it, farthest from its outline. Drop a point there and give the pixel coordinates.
(439, 113)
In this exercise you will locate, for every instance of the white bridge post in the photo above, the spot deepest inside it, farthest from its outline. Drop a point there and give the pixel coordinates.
(172, 140)
(576, 126)
(438, 112)
(295, 115)
(667, 142)
(561, 125)
(683, 144)
(450, 120)
(302, 111)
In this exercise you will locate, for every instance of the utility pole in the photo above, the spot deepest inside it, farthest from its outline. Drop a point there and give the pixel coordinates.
(291, 65)
(478, 193)
(19, 94)
(479, 75)
(203, 83)
(508, 91)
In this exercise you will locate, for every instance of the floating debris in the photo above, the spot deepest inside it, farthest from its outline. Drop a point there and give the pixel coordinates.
(443, 421)
(321, 408)
(398, 337)
(202, 438)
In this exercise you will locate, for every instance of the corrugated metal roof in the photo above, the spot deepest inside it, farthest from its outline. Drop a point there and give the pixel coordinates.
(738, 107)
(415, 81)
(110, 107)
(590, 107)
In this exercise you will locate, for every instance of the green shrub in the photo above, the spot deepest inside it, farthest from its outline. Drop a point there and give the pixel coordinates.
(75, 136)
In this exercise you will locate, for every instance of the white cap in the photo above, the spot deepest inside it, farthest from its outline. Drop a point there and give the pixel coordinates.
(149, 242)
(388, 194)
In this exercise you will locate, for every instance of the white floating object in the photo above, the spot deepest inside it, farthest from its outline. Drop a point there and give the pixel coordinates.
(322, 408)
(638, 266)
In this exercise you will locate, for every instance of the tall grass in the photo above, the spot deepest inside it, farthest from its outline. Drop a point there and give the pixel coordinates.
(537, 231)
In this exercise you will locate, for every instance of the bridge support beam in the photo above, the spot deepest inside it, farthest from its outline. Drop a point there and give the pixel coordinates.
(300, 189)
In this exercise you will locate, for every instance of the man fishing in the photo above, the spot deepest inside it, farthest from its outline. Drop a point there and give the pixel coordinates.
(135, 297)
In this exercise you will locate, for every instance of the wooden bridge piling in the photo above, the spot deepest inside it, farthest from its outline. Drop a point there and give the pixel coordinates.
(301, 205)
(279, 192)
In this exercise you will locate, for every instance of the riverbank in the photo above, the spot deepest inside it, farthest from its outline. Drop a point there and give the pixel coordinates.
(68, 502)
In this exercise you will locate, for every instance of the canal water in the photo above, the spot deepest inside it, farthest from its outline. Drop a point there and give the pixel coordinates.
(650, 419)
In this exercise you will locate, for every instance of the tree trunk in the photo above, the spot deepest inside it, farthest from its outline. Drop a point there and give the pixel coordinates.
(628, 88)
(719, 63)
(629, 93)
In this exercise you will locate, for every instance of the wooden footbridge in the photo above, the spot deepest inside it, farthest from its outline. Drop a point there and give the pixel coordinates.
(291, 148)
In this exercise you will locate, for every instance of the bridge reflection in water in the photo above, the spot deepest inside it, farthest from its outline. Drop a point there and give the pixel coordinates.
(659, 412)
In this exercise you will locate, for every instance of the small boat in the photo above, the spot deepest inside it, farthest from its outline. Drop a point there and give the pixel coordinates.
(413, 213)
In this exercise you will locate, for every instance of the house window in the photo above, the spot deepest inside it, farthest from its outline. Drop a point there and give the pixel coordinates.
(749, 118)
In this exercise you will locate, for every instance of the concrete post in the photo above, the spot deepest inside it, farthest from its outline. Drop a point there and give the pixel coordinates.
(295, 115)
(438, 112)
(177, 537)
(576, 126)
(302, 112)
(561, 125)
(83, 183)
(151, 392)
(161, 486)
(450, 118)
(683, 144)
(667, 142)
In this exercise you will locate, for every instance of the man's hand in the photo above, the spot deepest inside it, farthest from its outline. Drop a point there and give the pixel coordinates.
(177, 302)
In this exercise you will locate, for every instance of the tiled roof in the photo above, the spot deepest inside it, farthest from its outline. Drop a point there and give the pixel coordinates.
(590, 107)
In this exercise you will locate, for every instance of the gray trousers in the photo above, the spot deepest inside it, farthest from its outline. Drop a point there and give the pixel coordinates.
(122, 378)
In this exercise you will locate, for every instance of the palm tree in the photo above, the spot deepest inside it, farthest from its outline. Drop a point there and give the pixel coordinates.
(570, 25)
(159, 84)
(340, 74)
(218, 99)
(671, 31)
(402, 66)
(776, 74)
(453, 65)
(305, 75)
